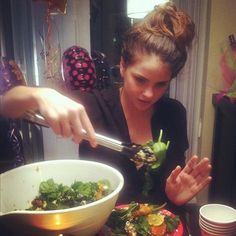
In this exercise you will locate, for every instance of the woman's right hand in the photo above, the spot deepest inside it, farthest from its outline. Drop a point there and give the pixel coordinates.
(65, 116)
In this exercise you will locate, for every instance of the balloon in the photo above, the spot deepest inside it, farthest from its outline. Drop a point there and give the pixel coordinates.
(78, 69)
(10, 75)
(102, 70)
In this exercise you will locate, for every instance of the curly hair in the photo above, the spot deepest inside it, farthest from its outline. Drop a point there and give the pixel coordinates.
(165, 32)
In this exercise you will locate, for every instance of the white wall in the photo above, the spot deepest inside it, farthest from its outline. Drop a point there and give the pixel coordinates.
(56, 147)
(222, 24)
(73, 28)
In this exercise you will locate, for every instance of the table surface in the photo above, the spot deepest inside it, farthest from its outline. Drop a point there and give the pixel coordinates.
(191, 211)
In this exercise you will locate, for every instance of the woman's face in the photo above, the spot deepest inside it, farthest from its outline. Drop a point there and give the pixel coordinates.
(145, 81)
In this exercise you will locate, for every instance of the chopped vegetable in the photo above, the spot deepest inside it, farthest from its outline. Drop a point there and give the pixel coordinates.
(151, 156)
(142, 219)
(53, 196)
(155, 219)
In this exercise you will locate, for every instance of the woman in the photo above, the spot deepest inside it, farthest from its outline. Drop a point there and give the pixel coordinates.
(154, 51)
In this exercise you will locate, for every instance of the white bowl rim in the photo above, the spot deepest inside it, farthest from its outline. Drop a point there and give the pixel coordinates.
(216, 221)
(215, 229)
(216, 232)
(217, 225)
(72, 209)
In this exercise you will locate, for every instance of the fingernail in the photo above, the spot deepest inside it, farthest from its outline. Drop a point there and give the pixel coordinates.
(94, 144)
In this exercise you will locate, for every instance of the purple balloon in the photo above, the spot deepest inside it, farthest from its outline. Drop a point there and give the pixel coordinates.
(10, 75)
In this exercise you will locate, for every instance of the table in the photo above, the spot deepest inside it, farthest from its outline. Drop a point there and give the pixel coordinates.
(191, 221)
(191, 218)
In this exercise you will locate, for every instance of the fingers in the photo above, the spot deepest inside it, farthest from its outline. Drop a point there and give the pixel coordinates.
(191, 164)
(77, 119)
(60, 126)
(76, 128)
(52, 120)
(67, 119)
(200, 184)
(88, 127)
(195, 166)
(203, 168)
(66, 130)
(196, 174)
(174, 174)
(201, 173)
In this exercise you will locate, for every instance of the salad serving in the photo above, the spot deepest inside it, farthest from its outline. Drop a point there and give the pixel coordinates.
(150, 156)
(54, 196)
(142, 220)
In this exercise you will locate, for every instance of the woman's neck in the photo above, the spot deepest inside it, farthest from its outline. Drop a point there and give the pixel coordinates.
(138, 122)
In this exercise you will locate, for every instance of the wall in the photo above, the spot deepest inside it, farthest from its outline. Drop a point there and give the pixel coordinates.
(73, 29)
(222, 24)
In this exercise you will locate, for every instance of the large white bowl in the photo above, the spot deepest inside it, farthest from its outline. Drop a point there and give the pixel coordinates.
(19, 186)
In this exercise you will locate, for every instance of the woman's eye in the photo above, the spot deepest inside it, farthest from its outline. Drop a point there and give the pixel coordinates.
(140, 80)
(162, 84)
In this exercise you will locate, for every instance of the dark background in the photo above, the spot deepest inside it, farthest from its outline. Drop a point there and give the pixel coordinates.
(108, 22)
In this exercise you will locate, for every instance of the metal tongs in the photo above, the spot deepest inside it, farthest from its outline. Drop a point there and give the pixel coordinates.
(102, 140)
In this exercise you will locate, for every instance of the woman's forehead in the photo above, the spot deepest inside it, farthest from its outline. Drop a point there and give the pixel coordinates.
(149, 62)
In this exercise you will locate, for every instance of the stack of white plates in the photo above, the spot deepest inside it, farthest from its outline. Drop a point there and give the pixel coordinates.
(217, 220)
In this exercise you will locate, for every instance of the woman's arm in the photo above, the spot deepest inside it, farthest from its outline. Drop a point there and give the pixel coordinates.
(65, 116)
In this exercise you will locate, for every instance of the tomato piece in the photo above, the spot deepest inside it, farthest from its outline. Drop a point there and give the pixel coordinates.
(158, 230)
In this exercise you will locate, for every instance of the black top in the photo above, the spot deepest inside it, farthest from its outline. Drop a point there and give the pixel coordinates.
(6, 150)
(106, 114)
(11, 146)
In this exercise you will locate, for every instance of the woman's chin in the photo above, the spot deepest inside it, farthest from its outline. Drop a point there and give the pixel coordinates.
(142, 106)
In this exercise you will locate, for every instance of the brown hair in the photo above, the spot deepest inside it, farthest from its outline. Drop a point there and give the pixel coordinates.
(165, 32)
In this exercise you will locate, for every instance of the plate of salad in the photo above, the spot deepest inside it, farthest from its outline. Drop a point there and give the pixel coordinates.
(137, 219)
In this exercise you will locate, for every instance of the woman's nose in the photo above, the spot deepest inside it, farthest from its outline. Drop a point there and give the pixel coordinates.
(148, 92)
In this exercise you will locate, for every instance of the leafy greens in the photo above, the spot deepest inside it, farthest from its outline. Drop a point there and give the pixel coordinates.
(151, 156)
(141, 220)
(53, 196)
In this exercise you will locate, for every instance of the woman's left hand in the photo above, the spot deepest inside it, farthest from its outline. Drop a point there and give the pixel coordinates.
(183, 184)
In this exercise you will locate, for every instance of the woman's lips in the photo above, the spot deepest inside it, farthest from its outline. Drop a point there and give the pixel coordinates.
(143, 104)
(144, 101)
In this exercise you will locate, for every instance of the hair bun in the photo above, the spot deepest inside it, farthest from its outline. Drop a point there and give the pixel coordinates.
(167, 20)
